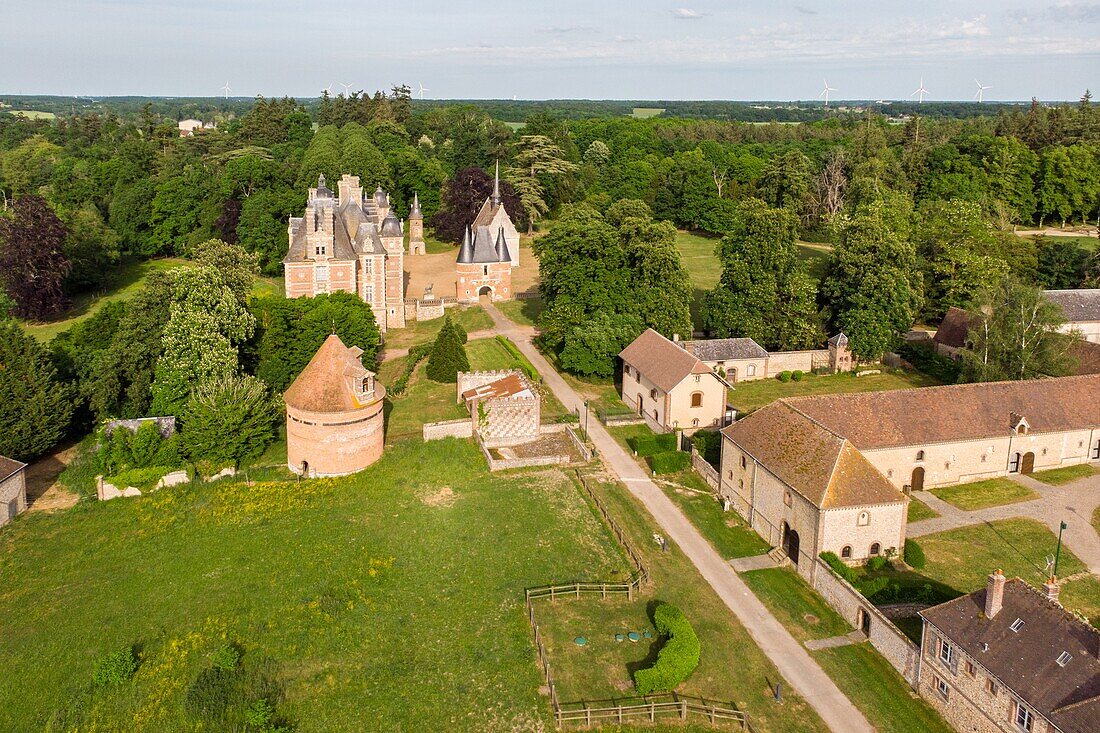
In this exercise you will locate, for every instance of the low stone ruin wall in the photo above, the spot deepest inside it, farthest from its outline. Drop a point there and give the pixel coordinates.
(463, 428)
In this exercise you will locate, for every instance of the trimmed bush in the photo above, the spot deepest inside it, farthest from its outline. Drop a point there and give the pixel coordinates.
(644, 445)
(667, 441)
(672, 461)
(839, 567)
(141, 478)
(783, 376)
(796, 375)
(914, 555)
(448, 355)
(677, 659)
(115, 668)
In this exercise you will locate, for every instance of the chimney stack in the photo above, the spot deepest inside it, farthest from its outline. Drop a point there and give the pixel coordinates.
(1050, 588)
(994, 593)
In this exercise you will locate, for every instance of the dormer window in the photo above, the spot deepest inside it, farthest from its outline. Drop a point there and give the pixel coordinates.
(320, 250)
(1021, 429)
(366, 386)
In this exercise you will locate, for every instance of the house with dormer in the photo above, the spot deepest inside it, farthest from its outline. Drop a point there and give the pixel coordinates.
(1009, 659)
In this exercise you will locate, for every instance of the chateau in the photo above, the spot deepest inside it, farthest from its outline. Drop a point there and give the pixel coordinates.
(354, 243)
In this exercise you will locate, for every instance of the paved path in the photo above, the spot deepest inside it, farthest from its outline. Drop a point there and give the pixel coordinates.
(1072, 503)
(756, 562)
(852, 637)
(790, 658)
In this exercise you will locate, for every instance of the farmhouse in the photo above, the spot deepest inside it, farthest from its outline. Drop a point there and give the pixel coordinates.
(743, 360)
(334, 414)
(1081, 309)
(351, 242)
(669, 386)
(808, 490)
(1009, 659)
(13, 489)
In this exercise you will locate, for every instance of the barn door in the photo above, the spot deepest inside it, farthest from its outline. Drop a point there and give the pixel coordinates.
(1028, 463)
(917, 482)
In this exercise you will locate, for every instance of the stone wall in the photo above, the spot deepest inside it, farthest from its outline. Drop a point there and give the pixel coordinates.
(502, 464)
(13, 496)
(708, 472)
(789, 361)
(886, 638)
(463, 428)
(427, 310)
(509, 421)
(167, 425)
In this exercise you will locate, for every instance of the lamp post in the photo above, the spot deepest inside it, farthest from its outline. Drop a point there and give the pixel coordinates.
(586, 420)
(1062, 527)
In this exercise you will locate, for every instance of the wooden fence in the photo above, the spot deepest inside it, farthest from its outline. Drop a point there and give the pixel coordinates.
(650, 708)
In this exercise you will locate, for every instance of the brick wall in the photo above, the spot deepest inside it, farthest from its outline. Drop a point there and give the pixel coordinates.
(895, 646)
(788, 361)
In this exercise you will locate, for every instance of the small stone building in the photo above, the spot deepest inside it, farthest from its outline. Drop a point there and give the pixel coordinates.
(952, 335)
(484, 266)
(1009, 659)
(744, 360)
(505, 407)
(334, 414)
(13, 489)
(670, 387)
(807, 489)
(1082, 311)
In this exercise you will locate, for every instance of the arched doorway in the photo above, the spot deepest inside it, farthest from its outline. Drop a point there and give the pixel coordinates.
(790, 543)
(917, 482)
(1027, 465)
(305, 469)
(641, 409)
(864, 620)
(485, 291)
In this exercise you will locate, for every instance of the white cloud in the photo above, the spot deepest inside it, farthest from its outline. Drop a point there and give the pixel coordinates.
(687, 14)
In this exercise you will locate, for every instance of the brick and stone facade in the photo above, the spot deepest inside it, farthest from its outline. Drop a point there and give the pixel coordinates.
(13, 489)
(505, 407)
(483, 267)
(350, 242)
(334, 414)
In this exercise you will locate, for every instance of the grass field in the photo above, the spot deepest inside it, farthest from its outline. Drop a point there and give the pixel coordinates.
(645, 113)
(748, 396)
(1083, 595)
(524, 312)
(726, 531)
(127, 282)
(472, 318)
(918, 510)
(984, 494)
(805, 614)
(390, 599)
(1066, 474)
(31, 114)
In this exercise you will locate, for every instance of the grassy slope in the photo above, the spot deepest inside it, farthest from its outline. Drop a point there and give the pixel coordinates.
(379, 605)
(747, 396)
(984, 494)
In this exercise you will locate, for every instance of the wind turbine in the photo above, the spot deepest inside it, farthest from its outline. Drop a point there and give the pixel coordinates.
(825, 93)
(980, 95)
(328, 89)
(921, 91)
(227, 90)
(347, 88)
(422, 89)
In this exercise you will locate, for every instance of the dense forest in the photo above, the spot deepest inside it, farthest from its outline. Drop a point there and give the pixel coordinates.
(921, 216)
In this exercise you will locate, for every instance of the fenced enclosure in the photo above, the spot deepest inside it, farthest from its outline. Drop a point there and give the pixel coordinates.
(650, 708)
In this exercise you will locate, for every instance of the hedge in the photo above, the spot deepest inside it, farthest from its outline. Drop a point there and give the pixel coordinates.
(783, 376)
(669, 461)
(643, 445)
(667, 441)
(914, 555)
(677, 659)
(839, 567)
(416, 355)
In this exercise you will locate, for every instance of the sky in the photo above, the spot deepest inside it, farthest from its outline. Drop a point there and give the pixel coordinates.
(591, 49)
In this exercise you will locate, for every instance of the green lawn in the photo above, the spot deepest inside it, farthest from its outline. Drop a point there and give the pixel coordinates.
(731, 668)
(984, 494)
(918, 510)
(126, 283)
(748, 396)
(879, 691)
(389, 599)
(1066, 474)
(805, 614)
(524, 312)
(472, 318)
(727, 532)
(1083, 595)
(962, 558)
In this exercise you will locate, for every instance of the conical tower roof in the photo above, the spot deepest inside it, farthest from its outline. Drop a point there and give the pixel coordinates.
(502, 247)
(466, 251)
(327, 382)
(496, 186)
(414, 212)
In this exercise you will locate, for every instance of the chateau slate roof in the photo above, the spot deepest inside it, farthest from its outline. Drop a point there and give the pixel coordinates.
(661, 361)
(414, 212)
(391, 225)
(1078, 305)
(1026, 660)
(726, 349)
(820, 465)
(955, 412)
(503, 254)
(466, 250)
(954, 328)
(9, 467)
(327, 384)
(484, 249)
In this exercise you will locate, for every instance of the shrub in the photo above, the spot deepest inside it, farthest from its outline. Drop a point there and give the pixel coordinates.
(783, 376)
(643, 445)
(416, 355)
(141, 478)
(796, 375)
(672, 461)
(448, 356)
(709, 445)
(677, 659)
(877, 564)
(914, 555)
(115, 668)
(226, 657)
(145, 444)
(926, 359)
(839, 567)
(667, 441)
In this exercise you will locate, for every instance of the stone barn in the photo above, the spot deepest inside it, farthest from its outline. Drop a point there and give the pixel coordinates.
(505, 407)
(13, 489)
(334, 414)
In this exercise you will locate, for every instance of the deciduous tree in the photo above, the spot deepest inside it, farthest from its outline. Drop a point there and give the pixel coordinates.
(33, 265)
(229, 420)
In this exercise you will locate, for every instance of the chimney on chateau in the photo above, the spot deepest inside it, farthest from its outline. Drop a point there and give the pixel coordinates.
(994, 593)
(1050, 589)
